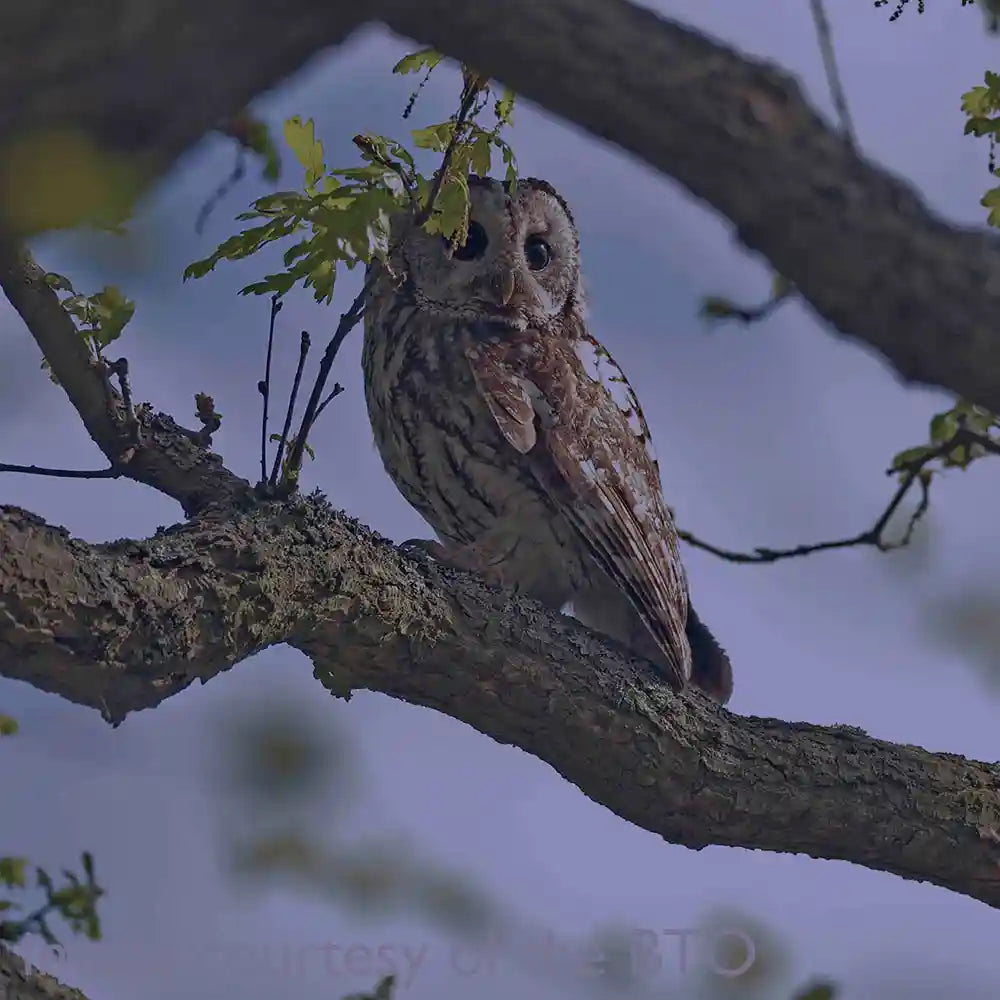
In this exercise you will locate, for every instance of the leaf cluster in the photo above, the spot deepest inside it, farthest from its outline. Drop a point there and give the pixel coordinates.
(956, 438)
(342, 214)
(981, 106)
(100, 317)
(75, 901)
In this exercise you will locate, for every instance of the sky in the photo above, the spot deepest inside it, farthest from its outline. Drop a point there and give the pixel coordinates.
(774, 435)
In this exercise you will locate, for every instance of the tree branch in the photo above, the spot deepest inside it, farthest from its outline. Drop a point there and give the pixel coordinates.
(912, 473)
(167, 457)
(124, 625)
(865, 251)
(20, 981)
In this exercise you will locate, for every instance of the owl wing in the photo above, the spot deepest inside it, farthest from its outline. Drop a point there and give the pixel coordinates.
(592, 454)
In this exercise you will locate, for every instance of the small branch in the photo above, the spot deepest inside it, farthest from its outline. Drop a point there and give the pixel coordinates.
(717, 309)
(234, 177)
(337, 390)
(915, 472)
(211, 421)
(468, 100)
(111, 472)
(130, 424)
(825, 38)
(303, 351)
(264, 387)
(348, 321)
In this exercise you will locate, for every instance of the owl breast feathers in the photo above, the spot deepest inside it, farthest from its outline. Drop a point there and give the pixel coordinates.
(514, 433)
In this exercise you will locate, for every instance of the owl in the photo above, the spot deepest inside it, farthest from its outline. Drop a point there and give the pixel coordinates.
(512, 431)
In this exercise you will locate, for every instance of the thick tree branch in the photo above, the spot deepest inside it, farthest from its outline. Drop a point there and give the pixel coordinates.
(122, 626)
(858, 243)
(20, 981)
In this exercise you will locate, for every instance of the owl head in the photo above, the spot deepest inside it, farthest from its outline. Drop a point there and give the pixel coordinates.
(520, 265)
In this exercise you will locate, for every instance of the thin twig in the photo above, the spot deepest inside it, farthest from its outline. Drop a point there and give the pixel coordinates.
(825, 37)
(235, 176)
(303, 351)
(337, 390)
(264, 386)
(111, 472)
(914, 472)
(347, 323)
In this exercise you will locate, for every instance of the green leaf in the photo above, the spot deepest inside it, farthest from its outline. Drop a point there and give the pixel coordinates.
(943, 426)
(416, 61)
(258, 139)
(273, 284)
(909, 456)
(713, 307)
(8, 726)
(504, 107)
(113, 311)
(991, 200)
(13, 872)
(58, 282)
(480, 154)
(308, 150)
(450, 216)
(980, 126)
(978, 102)
(434, 137)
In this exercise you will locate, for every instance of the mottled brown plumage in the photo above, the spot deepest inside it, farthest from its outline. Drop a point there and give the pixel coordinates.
(517, 437)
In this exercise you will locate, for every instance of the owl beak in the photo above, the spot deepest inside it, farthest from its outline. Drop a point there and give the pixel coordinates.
(502, 285)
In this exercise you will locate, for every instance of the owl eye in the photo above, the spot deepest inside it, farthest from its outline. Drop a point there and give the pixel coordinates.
(537, 253)
(474, 246)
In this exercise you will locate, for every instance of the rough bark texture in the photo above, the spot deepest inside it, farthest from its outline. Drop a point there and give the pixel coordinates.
(151, 78)
(123, 626)
(21, 981)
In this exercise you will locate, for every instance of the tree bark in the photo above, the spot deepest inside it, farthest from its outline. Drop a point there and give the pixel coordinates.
(150, 79)
(21, 981)
(122, 626)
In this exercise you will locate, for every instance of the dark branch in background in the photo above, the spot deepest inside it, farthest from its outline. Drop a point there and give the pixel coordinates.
(716, 309)
(825, 38)
(279, 452)
(264, 386)
(235, 176)
(734, 130)
(913, 472)
(111, 472)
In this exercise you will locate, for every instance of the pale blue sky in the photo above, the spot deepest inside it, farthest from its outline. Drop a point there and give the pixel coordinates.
(772, 436)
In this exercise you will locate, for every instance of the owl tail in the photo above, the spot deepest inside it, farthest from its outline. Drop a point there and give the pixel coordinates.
(710, 667)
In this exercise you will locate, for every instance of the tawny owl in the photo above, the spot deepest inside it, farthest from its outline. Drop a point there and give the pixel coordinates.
(517, 437)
